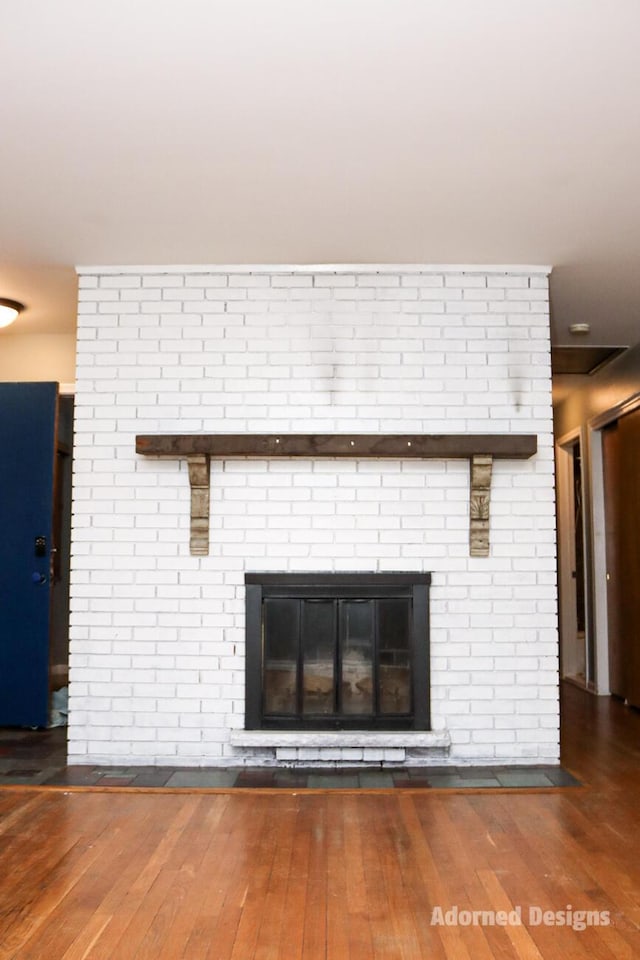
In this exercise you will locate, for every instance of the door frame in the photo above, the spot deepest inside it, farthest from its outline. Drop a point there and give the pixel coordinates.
(30, 425)
(59, 668)
(595, 426)
(567, 560)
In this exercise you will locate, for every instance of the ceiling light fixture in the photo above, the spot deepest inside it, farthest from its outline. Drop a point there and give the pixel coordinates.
(9, 310)
(580, 329)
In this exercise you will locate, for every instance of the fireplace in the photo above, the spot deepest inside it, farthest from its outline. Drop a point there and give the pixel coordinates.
(310, 372)
(337, 651)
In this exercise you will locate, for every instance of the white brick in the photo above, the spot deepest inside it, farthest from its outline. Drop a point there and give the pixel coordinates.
(163, 280)
(157, 635)
(245, 281)
(334, 280)
(465, 280)
(293, 280)
(206, 281)
(122, 282)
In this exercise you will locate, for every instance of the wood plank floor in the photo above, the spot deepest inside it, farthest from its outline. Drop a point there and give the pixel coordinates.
(344, 876)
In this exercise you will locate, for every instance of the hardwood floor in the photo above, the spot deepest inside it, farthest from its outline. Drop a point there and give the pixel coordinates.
(347, 876)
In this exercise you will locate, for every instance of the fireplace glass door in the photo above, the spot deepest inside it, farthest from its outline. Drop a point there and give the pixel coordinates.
(334, 652)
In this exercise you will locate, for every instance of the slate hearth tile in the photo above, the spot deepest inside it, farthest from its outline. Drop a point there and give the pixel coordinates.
(320, 781)
(375, 779)
(38, 756)
(7, 733)
(290, 779)
(109, 781)
(153, 778)
(62, 778)
(421, 772)
(256, 778)
(202, 778)
(472, 773)
(6, 764)
(405, 783)
(41, 777)
(560, 777)
(448, 780)
(473, 783)
(524, 778)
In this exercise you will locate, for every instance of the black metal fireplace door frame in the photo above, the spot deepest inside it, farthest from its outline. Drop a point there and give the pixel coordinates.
(413, 587)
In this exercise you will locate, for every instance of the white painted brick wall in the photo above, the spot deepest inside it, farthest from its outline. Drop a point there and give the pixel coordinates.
(157, 661)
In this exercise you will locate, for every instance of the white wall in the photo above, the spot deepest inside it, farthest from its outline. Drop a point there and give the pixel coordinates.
(34, 357)
(157, 664)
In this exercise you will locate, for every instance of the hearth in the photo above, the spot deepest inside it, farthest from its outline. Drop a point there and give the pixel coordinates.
(337, 651)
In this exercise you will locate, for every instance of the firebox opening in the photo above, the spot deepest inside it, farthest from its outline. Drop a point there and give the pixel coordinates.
(337, 651)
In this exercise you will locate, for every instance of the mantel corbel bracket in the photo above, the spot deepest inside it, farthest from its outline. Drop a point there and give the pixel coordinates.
(479, 505)
(199, 472)
(479, 449)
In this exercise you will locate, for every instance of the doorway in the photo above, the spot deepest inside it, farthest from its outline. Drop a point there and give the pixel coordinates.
(577, 655)
(61, 562)
(621, 472)
(35, 511)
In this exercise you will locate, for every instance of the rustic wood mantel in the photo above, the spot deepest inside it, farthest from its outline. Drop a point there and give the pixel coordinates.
(479, 449)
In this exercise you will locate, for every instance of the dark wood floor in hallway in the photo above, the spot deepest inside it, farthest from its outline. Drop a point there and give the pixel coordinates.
(253, 875)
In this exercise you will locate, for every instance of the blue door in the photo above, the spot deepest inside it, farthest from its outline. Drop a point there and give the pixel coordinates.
(28, 413)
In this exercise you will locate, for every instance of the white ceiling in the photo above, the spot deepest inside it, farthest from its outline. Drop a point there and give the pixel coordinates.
(409, 131)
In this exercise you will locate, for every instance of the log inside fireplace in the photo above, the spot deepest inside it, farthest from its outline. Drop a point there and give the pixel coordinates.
(337, 651)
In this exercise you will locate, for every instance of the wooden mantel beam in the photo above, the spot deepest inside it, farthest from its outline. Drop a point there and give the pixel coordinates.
(479, 449)
(357, 445)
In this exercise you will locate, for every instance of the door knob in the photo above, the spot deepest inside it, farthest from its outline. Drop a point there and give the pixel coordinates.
(38, 578)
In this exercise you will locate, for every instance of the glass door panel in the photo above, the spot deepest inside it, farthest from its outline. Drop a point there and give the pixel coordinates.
(394, 653)
(318, 656)
(357, 651)
(281, 639)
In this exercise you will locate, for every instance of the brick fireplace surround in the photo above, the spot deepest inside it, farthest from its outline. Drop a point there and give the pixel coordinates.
(157, 643)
